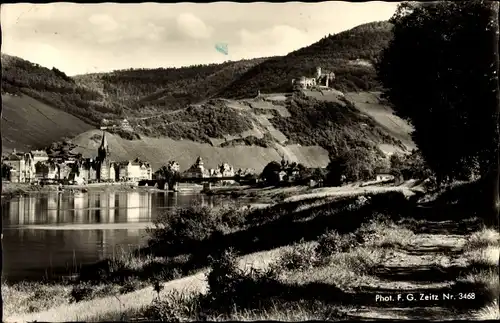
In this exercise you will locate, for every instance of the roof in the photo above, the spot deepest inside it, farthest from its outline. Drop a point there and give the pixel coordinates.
(39, 153)
(104, 141)
(133, 162)
(14, 156)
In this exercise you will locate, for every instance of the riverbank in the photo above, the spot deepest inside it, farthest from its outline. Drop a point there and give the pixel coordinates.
(10, 189)
(340, 263)
(273, 194)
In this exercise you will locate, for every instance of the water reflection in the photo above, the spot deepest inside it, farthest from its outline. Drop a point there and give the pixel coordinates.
(87, 208)
(35, 239)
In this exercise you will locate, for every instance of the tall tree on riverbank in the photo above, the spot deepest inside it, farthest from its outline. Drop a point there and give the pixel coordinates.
(440, 72)
(494, 167)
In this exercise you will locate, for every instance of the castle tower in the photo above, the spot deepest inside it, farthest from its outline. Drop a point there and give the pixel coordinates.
(318, 72)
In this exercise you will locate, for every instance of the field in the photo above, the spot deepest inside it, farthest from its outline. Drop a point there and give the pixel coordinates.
(335, 256)
(158, 151)
(29, 124)
(370, 104)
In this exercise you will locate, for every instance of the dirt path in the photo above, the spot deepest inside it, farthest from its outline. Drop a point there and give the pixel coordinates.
(428, 266)
(101, 307)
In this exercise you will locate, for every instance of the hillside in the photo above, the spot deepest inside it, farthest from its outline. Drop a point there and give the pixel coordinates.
(137, 93)
(349, 54)
(29, 124)
(120, 94)
(160, 150)
(253, 132)
(371, 104)
(183, 107)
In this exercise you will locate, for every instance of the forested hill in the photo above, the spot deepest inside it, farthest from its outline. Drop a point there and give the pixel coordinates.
(127, 93)
(139, 92)
(349, 54)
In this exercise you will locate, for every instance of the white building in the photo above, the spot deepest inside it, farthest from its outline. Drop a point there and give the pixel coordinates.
(39, 156)
(384, 177)
(134, 171)
(22, 167)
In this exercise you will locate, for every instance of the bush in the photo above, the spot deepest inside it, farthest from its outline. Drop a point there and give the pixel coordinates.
(128, 135)
(298, 257)
(231, 288)
(332, 242)
(195, 229)
(175, 307)
(411, 166)
(355, 164)
(183, 225)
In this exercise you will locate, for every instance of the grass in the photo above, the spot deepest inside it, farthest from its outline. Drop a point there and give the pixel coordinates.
(484, 257)
(346, 270)
(194, 227)
(482, 251)
(321, 263)
(177, 307)
(33, 297)
(283, 291)
(489, 312)
(382, 232)
(483, 238)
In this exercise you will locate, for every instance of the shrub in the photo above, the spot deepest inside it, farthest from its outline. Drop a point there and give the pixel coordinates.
(355, 164)
(297, 257)
(182, 225)
(411, 166)
(231, 288)
(332, 242)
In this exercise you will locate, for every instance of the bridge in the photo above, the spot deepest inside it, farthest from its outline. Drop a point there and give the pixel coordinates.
(162, 183)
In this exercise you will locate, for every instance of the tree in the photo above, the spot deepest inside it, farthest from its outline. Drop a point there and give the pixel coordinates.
(440, 72)
(355, 164)
(172, 177)
(43, 168)
(437, 73)
(493, 182)
(409, 166)
(270, 173)
(6, 171)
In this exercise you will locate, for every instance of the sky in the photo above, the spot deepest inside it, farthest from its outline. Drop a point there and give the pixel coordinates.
(89, 38)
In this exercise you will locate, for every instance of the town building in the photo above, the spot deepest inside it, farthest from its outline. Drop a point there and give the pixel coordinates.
(125, 125)
(37, 165)
(134, 171)
(197, 170)
(39, 156)
(104, 166)
(84, 171)
(103, 169)
(382, 177)
(22, 167)
(173, 166)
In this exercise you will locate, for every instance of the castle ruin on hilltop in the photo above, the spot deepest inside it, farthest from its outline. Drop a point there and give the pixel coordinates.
(321, 80)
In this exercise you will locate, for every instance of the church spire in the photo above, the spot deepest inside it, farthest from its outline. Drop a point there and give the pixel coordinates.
(104, 142)
(103, 150)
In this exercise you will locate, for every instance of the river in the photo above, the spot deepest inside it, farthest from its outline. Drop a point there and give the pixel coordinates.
(48, 233)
